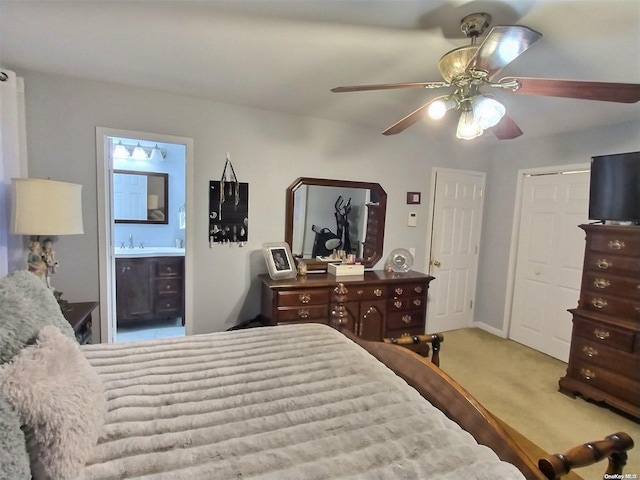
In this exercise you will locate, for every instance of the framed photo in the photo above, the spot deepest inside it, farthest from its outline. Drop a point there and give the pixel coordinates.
(279, 260)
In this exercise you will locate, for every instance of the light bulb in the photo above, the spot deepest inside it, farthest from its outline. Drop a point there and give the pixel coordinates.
(468, 128)
(440, 106)
(487, 111)
(120, 151)
(139, 153)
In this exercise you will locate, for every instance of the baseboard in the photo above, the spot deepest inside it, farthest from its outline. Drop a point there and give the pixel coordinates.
(488, 328)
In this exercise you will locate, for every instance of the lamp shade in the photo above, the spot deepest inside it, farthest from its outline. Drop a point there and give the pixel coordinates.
(46, 207)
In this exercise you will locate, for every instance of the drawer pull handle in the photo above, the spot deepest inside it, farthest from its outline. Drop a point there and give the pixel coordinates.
(399, 291)
(406, 319)
(360, 292)
(305, 298)
(590, 351)
(587, 374)
(601, 283)
(616, 245)
(601, 334)
(417, 302)
(303, 313)
(397, 304)
(603, 264)
(377, 292)
(599, 303)
(168, 287)
(418, 289)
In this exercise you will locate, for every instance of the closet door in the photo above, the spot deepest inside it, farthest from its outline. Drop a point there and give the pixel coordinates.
(549, 261)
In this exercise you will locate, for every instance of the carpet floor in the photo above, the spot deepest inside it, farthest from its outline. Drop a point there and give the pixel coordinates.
(520, 386)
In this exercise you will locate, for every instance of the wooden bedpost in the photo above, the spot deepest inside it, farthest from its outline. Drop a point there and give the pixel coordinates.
(614, 447)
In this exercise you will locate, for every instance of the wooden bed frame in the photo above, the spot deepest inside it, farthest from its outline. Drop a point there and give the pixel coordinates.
(459, 405)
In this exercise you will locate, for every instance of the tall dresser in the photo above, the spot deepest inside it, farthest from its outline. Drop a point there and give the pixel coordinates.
(604, 363)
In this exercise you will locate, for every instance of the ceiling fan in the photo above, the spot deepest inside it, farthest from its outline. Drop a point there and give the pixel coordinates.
(471, 68)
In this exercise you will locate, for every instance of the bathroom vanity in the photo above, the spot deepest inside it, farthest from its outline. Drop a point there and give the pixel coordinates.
(149, 284)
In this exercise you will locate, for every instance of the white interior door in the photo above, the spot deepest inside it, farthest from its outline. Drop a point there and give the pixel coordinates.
(455, 241)
(549, 260)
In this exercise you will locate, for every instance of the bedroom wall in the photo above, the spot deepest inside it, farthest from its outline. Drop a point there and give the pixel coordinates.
(508, 159)
(268, 149)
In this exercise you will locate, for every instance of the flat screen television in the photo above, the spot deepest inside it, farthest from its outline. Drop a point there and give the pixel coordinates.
(614, 193)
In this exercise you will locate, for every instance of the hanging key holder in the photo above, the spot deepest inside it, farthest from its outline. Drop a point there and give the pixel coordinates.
(228, 208)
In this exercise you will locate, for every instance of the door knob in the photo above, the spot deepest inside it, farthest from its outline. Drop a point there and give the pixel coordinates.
(435, 263)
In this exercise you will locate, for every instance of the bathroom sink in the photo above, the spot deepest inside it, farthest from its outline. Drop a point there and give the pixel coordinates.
(149, 252)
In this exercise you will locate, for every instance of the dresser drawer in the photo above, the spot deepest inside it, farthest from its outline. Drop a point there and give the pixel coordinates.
(404, 332)
(408, 319)
(397, 304)
(305, 314)
(169, 266)
(311, 296)
(366, 292)
(604, 283)
(602, 262)
(168, 285)
(627, 244)
(613, 383)
(168, 304)
(610, 304)
(408, 290)
(607, 335)
(606, 357)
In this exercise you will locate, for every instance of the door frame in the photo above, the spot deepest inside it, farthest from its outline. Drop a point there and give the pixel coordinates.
(430, 218)
(106, 257)
(515, 229)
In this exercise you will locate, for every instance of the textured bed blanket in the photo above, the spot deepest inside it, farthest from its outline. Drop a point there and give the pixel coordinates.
(287, 402)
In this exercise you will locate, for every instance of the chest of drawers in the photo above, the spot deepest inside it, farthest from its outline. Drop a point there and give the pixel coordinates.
(377, 304)
(604, 362)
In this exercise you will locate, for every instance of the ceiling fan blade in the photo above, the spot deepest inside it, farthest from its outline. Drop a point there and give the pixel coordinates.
(409, 120)
(506, 129)
(602, 91)
(501, 46)
(389, 86)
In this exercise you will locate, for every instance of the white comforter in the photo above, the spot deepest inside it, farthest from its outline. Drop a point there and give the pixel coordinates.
(287, 402)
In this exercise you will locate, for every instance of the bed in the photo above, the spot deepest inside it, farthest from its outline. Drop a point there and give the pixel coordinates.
(297, 401)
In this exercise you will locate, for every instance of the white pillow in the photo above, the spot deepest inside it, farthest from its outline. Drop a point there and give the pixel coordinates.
(61, 404)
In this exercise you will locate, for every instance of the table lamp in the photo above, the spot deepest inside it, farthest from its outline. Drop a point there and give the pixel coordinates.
(45, 209)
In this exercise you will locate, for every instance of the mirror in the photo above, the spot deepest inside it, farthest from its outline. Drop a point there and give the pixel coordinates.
(140, 197)
(323, 215)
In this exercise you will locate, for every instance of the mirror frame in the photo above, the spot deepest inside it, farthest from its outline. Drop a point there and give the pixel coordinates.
(377, 190)
(165, 206)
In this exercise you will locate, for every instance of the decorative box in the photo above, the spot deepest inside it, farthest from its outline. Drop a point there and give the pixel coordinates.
(341, 269)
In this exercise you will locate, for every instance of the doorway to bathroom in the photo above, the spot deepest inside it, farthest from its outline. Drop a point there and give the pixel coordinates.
(144, 260)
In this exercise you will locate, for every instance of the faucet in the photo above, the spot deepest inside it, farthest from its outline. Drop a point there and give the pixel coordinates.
(131, 240)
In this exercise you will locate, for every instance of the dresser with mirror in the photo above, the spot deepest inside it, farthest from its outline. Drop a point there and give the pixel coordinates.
(379, 304)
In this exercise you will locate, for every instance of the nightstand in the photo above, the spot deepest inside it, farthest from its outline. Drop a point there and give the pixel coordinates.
(79, 316)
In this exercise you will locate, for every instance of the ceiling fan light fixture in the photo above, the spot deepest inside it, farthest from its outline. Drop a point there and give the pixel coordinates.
(468, 127)
(440, 106)
(487, 111)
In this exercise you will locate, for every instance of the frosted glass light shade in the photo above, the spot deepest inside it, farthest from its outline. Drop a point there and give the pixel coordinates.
(46, 207)
(120, 151)
(468, 128)
(139, 153)
(487, 111)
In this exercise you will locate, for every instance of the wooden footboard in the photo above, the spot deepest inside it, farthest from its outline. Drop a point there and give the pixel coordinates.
(459, 405)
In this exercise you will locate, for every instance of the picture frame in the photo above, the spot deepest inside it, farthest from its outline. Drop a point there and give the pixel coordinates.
(279, 259)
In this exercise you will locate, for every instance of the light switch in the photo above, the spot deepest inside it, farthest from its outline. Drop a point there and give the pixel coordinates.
(413, 219)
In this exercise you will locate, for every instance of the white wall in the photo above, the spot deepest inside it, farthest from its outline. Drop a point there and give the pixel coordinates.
(269, 151)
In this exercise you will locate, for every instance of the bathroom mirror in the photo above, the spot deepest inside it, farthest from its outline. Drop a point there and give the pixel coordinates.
(140, 197)
(324, 215)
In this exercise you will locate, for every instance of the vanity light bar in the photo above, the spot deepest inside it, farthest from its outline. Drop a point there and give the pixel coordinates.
(138, 152)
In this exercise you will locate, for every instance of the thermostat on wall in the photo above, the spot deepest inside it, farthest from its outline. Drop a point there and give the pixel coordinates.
(413, 219)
